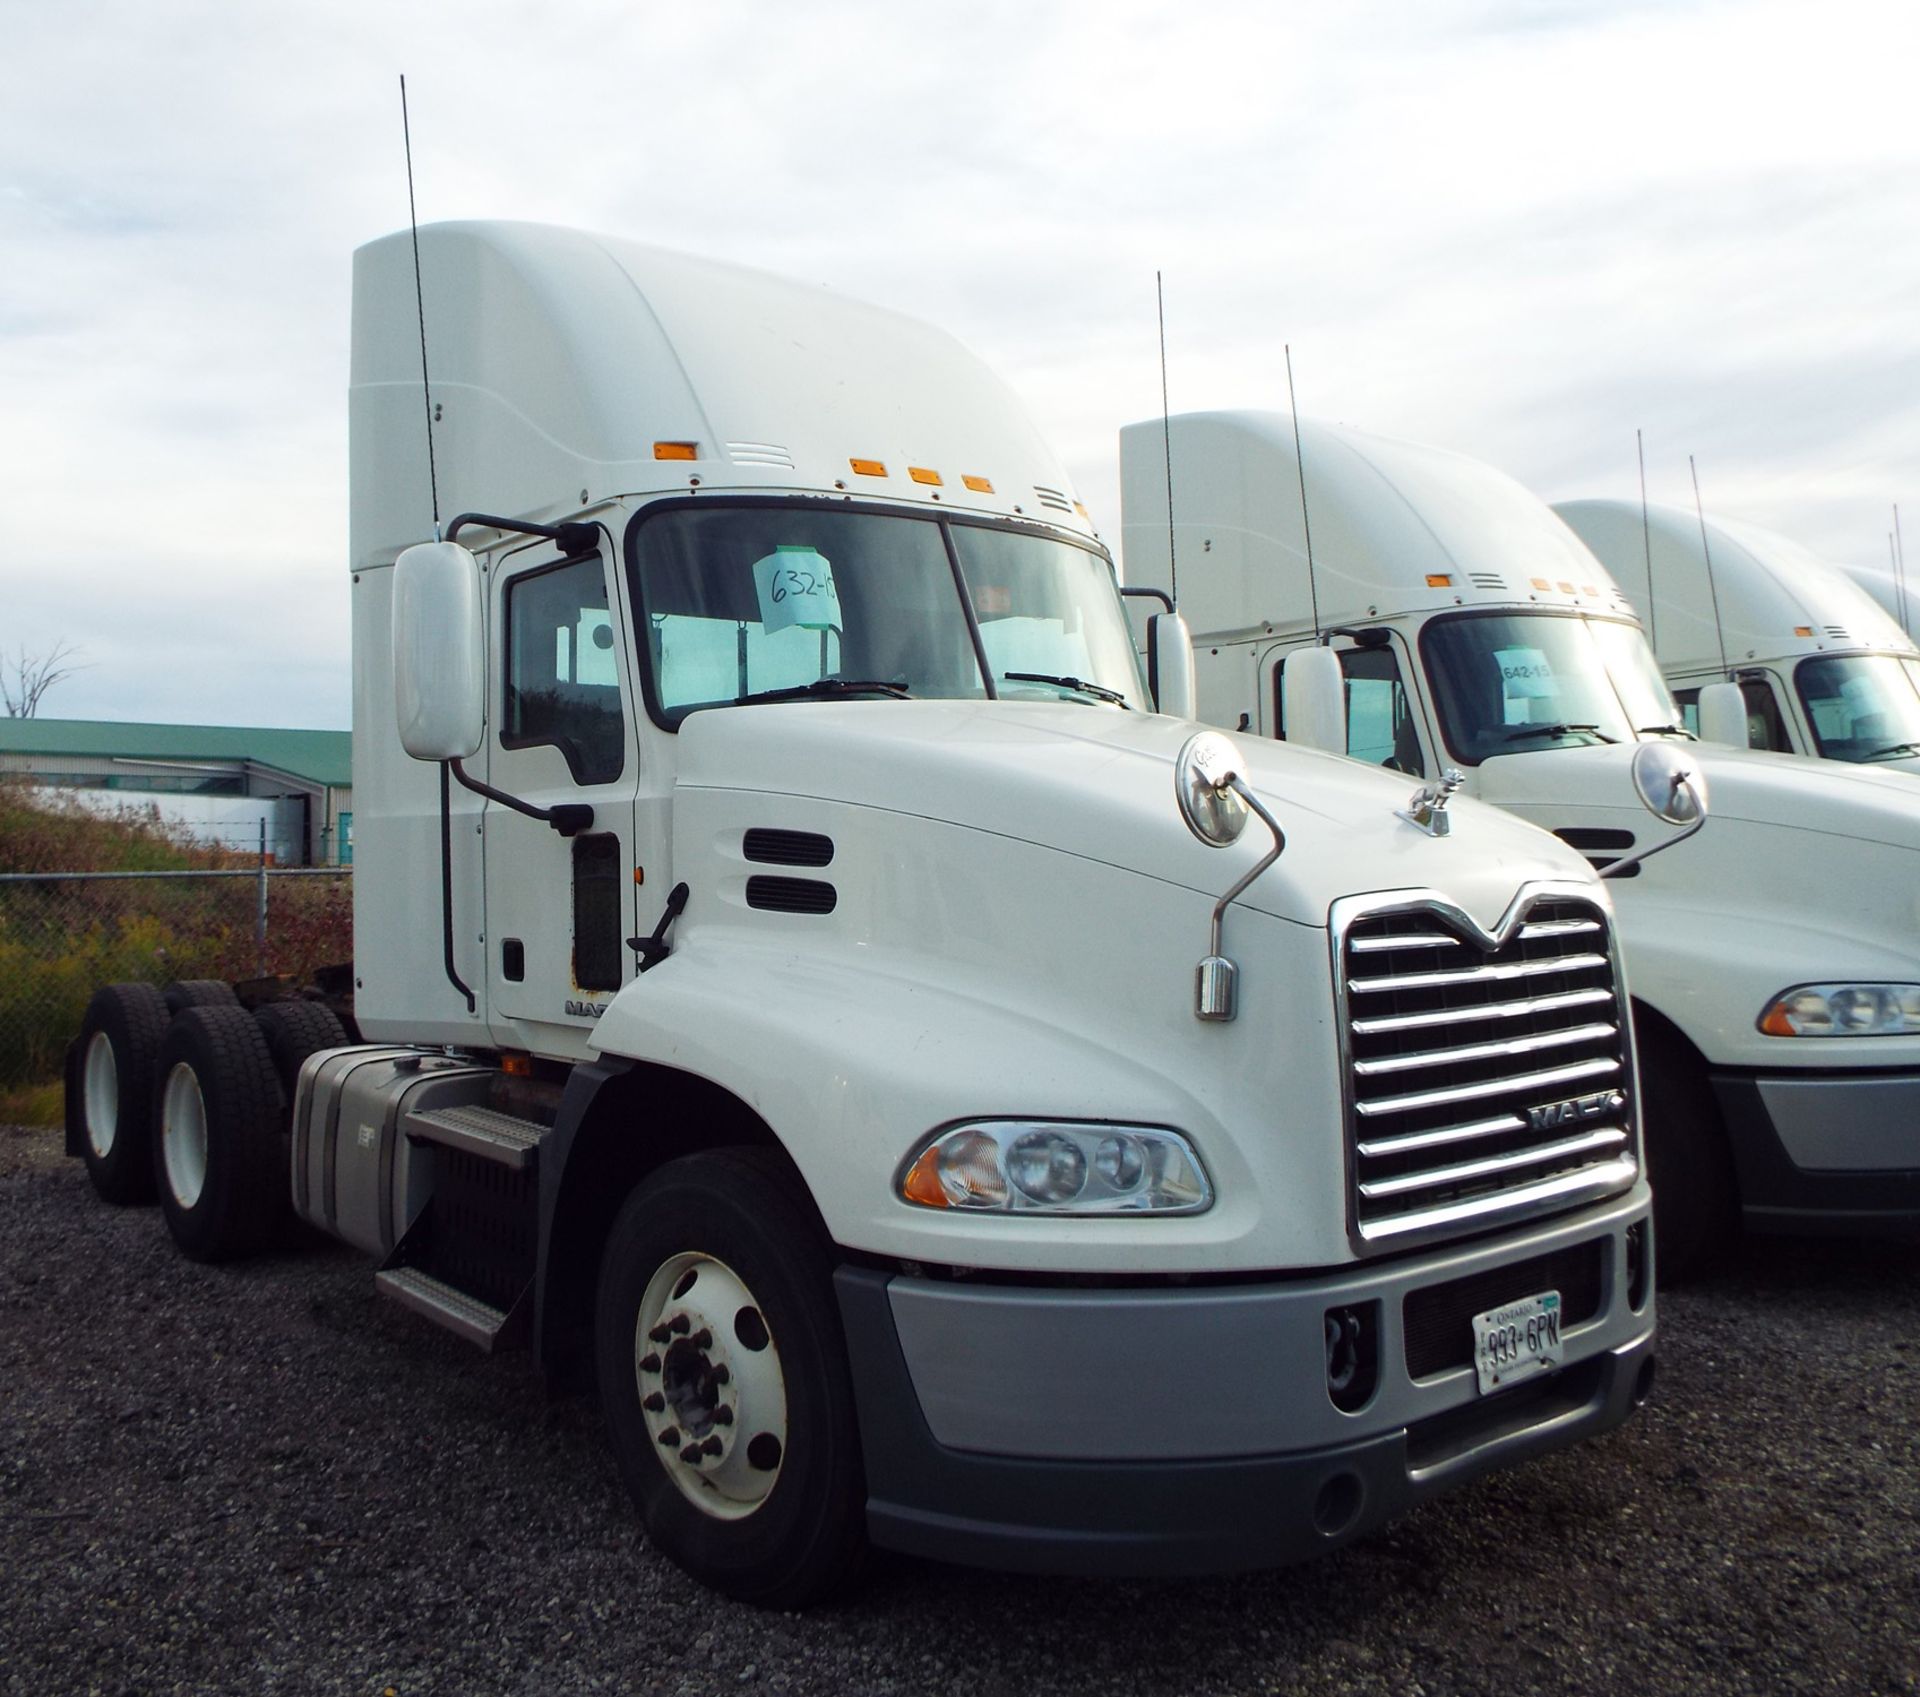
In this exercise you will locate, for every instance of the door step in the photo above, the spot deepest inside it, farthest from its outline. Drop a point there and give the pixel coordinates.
(487, 1133)
(465, 1316)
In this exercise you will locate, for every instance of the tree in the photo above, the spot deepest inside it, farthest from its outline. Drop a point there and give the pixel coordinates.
(25, 682)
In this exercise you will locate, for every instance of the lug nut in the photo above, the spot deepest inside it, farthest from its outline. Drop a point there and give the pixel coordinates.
(722, 1374)
(691, 1453)
(712, 1446)
(669, 1437)
(653, 1403)
(723, 1416)
(659, 1334)
(649, 1363)
(680, 1325)
(703, 1340)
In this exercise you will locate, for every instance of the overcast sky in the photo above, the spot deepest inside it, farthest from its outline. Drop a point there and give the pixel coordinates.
(1517, 228)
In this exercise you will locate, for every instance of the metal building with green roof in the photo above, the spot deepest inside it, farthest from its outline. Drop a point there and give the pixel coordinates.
(224, 782)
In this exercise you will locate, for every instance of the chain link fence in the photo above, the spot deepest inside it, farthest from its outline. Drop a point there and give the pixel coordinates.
(63, 935)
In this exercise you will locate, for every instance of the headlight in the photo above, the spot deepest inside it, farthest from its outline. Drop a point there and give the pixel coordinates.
(1058, 1167)
(1844, 1010)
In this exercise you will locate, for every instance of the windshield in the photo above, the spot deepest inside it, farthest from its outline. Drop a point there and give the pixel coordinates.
(1861, 706)
(1506, 683)
(778, 598)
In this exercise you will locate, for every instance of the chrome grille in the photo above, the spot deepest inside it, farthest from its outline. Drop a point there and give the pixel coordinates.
(1489, 1078)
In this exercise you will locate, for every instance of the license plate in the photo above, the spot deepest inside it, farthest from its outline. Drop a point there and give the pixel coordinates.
(1517, 1340)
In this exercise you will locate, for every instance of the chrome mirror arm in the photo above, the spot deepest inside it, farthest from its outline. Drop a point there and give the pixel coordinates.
(1216, 979)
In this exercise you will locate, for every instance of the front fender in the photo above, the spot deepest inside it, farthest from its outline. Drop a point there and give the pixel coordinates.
(851, 1066)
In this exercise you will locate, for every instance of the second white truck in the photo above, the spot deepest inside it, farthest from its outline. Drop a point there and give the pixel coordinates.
(1774, 957)
(1822, 670)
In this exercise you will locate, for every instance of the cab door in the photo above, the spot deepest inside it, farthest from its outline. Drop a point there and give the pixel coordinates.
(559, 909)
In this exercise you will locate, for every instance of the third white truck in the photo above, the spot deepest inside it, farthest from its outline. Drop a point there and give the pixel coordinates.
(1822, 670)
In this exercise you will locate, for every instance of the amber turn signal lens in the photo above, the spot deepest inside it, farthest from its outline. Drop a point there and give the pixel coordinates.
(922, 1182)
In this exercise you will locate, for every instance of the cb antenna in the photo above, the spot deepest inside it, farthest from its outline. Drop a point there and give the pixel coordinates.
(420, 302)
(1900, 571)
(1300, 462)
(1166, 437)
(1707, 553)
(1646, 534)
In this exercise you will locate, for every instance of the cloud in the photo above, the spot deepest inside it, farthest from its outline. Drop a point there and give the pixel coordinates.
(1513, 227)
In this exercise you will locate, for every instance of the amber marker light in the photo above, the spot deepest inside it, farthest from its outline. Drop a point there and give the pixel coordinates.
(676, 450)
(922, 1183)
(1803, 630)
(921, 474)
(1439, 580)
(1541, 583)
(517, 1066)
(869, 468)
(979, 485)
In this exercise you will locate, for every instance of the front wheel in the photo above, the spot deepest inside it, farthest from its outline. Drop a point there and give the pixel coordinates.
(724, 1377)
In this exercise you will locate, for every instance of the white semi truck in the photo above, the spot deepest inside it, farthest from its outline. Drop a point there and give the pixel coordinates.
(800, 977)
(1822, 670)
(1774, 958)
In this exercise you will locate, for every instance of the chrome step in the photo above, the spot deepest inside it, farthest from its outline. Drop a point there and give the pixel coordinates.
(463, 1315)
(504, 1139)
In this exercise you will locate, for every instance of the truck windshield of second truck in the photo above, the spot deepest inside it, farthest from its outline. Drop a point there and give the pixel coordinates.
(776, 600)
(1509, 682)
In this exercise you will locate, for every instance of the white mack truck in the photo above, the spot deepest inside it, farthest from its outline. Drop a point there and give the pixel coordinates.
(799, 977)
(1453, 630)
(1821, 669)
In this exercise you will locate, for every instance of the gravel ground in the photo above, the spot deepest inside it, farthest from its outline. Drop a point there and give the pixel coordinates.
(267, 1479)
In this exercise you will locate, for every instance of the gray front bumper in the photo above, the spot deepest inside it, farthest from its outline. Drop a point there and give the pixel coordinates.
(1171, 1429)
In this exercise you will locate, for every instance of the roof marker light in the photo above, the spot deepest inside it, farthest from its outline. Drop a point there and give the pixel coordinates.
(1439, 580)
(920, 474)
(1803, 630)
(1541, 583)
(676, 450)
(979, 485)
(869, 468)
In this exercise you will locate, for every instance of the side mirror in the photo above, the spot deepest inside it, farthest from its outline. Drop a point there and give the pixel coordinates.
(1673, 788)
(1170, 664)
(439, 649)
(1723, 715)
(1314, 697)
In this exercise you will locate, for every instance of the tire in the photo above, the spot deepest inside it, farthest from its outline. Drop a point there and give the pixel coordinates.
(110, 1108)
(218, 1154)
(295, 1030)
(716, 1328)
(184, 993)
(1696, 1208)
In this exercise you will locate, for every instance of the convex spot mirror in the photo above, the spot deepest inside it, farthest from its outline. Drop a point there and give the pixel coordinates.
(439, 652)
(1670, 782)
(1203, 782)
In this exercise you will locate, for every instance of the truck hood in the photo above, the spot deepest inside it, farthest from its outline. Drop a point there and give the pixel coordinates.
(1097, 783)
(1830, 797)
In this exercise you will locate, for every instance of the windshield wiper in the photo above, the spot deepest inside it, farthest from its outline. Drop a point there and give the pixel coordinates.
(1893, 748)
(1666, 730)
(1520, 731)
(827, 686)
(1099, 692)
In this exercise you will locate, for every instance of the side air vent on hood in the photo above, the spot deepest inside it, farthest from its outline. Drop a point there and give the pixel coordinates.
(760, 454)
(787, 848)
(1054, 498)
(1601, 846)
(791, 895)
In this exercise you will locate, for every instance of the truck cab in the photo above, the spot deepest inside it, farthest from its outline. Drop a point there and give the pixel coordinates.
(1774, 957)
(804, 985)
(1822, 670)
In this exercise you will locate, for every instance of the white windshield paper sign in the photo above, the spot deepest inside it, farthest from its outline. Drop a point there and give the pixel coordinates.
(1525, 674)
(795, 586)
